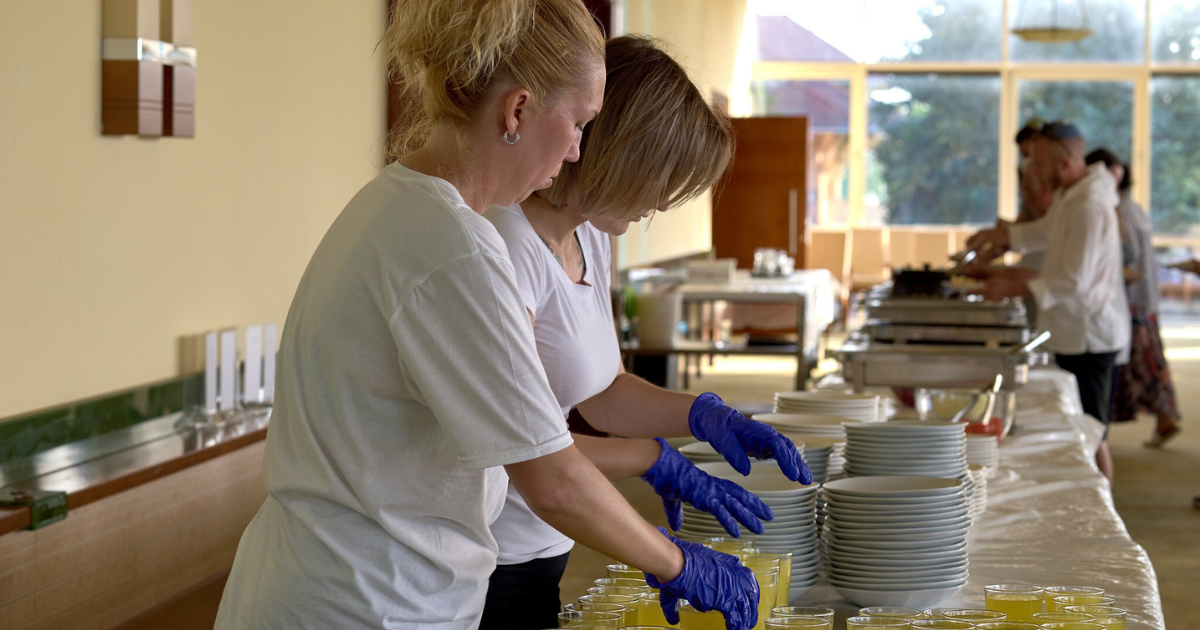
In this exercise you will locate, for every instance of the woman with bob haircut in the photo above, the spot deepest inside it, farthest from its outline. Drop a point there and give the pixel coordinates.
(656, 143)
(409, 382)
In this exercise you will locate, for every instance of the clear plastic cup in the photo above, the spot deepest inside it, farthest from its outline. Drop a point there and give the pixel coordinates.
(589, 620)
(798, 623)
(1072, 625)
(597, 607)
(624, 571)
(942, 624)
(1112, 617)
(890, 611)
(1062, 601)
(783, 594)
(692, 619)
(639, 585)
(1007, 625)
(820, 612)
(1056, 591)
(1047, 617)
(878, 623)
(650, 612)
(973, 615)
(1018, 601)
(628, 601)
(618, 590)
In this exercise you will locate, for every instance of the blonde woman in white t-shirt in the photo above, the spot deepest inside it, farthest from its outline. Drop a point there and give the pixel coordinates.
(409, 380)
(654, 144)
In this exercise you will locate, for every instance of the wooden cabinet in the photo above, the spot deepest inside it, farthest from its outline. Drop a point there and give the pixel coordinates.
(763, 198)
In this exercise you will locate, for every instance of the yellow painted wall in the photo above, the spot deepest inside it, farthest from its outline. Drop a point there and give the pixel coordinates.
(703, 35)
(110, 248)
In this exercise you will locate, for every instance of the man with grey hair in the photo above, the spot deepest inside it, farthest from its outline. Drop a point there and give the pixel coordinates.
(1079, 291)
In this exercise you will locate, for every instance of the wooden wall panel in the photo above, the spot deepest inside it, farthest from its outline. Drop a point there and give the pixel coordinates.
(116, 558)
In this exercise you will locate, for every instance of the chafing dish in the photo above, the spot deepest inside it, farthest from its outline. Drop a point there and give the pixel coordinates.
(870, 363)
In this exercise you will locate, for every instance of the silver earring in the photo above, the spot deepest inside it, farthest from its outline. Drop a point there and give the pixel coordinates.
(514, 140)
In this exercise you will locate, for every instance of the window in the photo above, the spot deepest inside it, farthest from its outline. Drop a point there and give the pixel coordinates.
(1175, 155)
(1102, 110)
(933, 149)
(939, 88)
(1175, 27)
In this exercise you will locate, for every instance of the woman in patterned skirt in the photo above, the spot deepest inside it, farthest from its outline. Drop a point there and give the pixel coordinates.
(1144, 383)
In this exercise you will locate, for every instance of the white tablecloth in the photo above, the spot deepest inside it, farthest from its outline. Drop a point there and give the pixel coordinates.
(1050, 518)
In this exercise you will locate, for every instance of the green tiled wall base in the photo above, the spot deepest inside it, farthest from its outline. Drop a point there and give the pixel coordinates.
(25, 435)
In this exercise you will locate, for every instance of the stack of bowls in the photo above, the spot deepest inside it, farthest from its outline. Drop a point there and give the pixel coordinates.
(704, 453)
(896, 541)
(818, 433)
(860, 407)
(794, 527)
(983, 450)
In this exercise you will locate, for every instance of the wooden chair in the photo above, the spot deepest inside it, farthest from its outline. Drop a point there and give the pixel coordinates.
(902, 246)
(934, 248)
(830, 249)
(869, 261)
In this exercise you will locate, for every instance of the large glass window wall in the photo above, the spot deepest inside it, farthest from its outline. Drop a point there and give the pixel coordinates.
(916, 102)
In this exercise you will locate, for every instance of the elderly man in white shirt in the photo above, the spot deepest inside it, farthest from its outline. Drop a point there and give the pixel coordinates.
(1080, 290)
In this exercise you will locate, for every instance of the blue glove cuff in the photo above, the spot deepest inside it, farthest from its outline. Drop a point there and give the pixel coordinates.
(703, 404)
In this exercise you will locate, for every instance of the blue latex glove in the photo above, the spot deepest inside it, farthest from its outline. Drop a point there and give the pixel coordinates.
(676, 479)
(711, 580)
(734, 436)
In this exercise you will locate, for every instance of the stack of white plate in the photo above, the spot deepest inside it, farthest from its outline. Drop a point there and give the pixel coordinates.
(983, 450)
(704, 453)
(815, 431)
(896, 541)
(794, 527)
(978, 502)
(906, 447)
(860, 407)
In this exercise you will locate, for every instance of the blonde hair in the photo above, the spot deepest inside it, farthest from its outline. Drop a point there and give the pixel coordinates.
(655, 141)
(447, 54)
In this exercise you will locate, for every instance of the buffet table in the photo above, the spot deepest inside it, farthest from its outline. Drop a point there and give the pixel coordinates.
(1050, 518)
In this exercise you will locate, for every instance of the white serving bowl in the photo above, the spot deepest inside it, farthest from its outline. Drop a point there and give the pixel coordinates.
(920, 599)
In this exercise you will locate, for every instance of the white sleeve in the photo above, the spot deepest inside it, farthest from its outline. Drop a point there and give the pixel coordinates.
(1079, 285)
(1031, 236)
(465, 342)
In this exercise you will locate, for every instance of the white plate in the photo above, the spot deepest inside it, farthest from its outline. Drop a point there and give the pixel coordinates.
(856, 503)
(917, 487)
(912, 599)
(806, 421)
(837, 551)
(899, 586)
(896, 564)
(867, 546)
(895, 537)
(839, 525)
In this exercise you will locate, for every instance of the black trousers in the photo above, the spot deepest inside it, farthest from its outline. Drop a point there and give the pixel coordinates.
(524, 596)
(1094, 372)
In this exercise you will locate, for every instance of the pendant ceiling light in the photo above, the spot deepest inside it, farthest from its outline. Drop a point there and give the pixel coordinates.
(1053, 32)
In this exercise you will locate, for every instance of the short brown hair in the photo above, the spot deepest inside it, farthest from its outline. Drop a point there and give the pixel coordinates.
(655, 141)
(447, 54)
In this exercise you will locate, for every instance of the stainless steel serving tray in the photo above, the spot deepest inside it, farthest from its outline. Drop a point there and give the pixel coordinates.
(873, 364)
(991, 336)
(948, 312)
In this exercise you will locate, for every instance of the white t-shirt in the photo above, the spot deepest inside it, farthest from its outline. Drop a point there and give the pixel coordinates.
(408, 375)
(577, 344)
(1080, 292)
